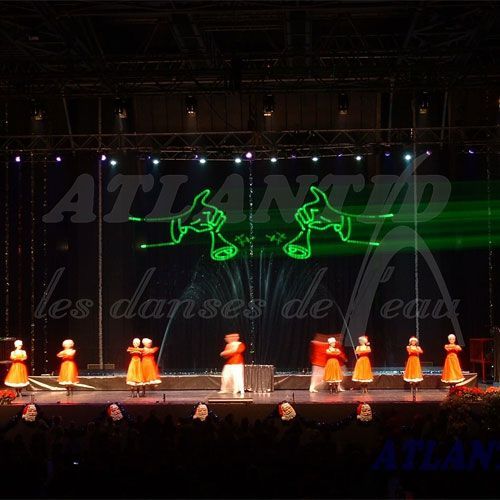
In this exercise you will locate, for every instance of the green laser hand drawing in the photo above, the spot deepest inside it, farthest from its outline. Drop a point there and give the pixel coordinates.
(311, 217)
(200, 218)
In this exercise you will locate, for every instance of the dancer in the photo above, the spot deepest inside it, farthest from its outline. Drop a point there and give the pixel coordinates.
(17, 376)
(150, 371)
(68, 373)
(317, 355)
(135, 378)
(452, 373)
(333, 372)
(232, 379)
(363, 369)
(413, 371)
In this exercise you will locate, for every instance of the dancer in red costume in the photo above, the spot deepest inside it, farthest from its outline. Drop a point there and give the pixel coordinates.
(333, 370)
(17, 377)
(135, 378)
(452, 372)
(413, 370)
(68, 373)
(150, 371)
(232, 379)
(363, 369)
(317, 355)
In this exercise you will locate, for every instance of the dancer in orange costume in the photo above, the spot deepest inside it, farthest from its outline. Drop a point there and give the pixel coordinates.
(68, 374)
(333, 372)
(363, 369)
(17, 377)
(413, 370)
(135, 378)
(452, 373)
(233, 373)
(150, 371)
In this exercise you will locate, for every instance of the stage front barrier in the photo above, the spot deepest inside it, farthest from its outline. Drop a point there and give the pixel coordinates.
(259, 378)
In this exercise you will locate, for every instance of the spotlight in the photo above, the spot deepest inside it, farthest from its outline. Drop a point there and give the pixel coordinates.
(248, 155)
(423, 103)
(359, 158)
(268, 105)
(315, 158)
(58, 159)
(471, 151)
(202, 160)
(103, 157)
(120, 109)
(17, 159)
(113, 162)
(190, 105)
(156, 161)
(407, 157)
(428, 152)
(339, 155)
(343, 104)
(37, 111)
(274, 159)
(387, 154)
(237, 160)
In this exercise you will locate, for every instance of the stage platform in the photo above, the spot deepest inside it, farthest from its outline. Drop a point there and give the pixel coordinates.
(392, 380)
(84, 406)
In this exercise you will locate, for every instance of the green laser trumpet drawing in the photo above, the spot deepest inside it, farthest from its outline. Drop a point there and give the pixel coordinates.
(200, 218)
(319, 215)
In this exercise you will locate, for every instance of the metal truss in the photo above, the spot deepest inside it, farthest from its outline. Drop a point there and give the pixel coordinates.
(124, 48)
(227, 145)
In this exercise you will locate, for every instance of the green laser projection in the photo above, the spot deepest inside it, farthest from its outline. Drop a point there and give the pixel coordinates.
(200, 218)
(319, 215)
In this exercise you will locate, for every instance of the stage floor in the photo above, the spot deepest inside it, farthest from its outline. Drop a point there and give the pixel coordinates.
(85, 406)
(190, 397)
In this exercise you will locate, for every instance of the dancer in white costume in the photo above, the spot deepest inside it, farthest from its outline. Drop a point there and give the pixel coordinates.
(232, 373)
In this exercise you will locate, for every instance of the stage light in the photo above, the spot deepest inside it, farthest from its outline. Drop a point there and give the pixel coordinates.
(407, 157)
(248, 155)
(343, 104)
(359, 158)
(274, 159)
(156, 161)
(268, 105)
(121, 109)
(237, 160)
(58, 159)
(339, 155)
(428, 152)
(387, 154)
(191, 105)
(17, 159)
(103, 157)
(471, 151)
(202, 160)
(423, 103)
(113, 162)
(37, 111)
(315, 158)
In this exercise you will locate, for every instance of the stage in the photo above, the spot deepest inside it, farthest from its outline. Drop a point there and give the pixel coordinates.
(83, 406)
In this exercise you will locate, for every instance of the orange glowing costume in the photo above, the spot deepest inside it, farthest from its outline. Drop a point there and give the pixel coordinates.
(452, 373)
(413, 370)
(333, 373)
(17, 376)
(134, 372)
(68, 374)
(363, 368)
(150, 371)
